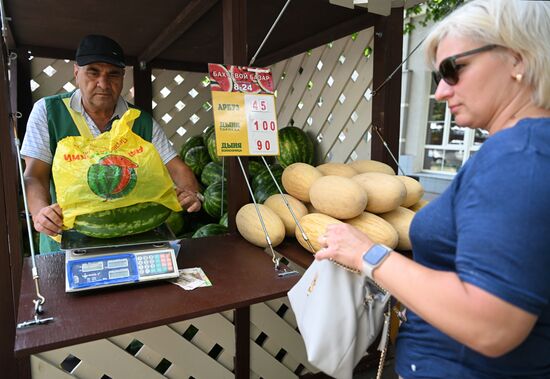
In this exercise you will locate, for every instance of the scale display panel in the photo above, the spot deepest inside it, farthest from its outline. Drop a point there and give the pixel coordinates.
(105, 267)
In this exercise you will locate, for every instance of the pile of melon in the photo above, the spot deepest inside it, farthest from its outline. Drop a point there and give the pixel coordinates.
(365, 193)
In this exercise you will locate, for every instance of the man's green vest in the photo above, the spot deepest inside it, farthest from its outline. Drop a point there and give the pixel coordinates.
(61, 124)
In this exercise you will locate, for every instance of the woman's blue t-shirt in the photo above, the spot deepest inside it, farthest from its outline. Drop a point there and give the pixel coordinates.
(492, 227)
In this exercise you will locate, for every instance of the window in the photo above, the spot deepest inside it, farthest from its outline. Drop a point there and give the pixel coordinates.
(448, 146)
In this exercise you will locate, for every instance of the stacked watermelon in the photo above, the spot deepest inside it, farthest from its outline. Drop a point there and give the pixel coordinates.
(295, 145)
(263, 185)
(207, 167)
(199, 153)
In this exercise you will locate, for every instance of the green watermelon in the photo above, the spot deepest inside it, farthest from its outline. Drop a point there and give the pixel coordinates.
(254, 168)
(206, 132)
(212, 173)
(210, 230)
(224, 220)
(176, 222)
(211, 145)
(196, 158)
(124, 221)
(263, 185)
(186, 235)
(195, 220)
(192, 141)
(295, 146)
(264, 179)
(213, 199)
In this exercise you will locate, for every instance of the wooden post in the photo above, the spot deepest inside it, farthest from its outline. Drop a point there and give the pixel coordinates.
(20, 89)
(386, 107)
(235, 52)
(143, 88)
(10, 235)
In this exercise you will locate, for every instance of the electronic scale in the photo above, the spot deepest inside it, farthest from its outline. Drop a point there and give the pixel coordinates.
(92, 263)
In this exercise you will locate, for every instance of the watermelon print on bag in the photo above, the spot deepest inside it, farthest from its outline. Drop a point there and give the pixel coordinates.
(113, 177)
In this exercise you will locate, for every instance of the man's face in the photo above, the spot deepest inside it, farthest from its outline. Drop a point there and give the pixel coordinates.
(100, 84)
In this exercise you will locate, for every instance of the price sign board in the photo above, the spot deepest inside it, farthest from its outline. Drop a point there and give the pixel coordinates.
(245, 121)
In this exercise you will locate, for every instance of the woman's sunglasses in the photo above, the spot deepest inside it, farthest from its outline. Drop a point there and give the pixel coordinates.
(448, 69)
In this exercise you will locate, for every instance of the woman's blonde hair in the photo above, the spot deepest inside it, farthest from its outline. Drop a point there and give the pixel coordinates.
(522, 26)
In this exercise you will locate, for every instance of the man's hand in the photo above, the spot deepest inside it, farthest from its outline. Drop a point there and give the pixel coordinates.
(49, 220)
(189, 200)
(183, 177)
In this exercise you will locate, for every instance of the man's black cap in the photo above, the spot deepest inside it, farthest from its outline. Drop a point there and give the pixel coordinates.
(97, 48)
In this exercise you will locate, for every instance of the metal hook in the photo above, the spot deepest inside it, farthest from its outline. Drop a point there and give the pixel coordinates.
(277, 262)
(38, 309)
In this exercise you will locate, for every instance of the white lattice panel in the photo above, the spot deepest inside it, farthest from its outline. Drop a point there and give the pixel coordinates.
(321, 91)
(63, 73)
(203, 347)
(185, 110)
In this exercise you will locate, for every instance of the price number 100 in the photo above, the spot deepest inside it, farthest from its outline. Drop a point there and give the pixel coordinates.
(265, 125)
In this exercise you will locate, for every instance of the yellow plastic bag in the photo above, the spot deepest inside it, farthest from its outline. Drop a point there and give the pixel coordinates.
(116, 169)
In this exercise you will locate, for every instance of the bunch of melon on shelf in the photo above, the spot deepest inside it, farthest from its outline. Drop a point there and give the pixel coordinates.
(366, 194)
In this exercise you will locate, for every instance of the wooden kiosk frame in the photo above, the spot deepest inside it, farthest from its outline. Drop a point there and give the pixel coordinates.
(239, 25)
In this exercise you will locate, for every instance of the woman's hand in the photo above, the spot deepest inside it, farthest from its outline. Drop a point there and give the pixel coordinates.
(344, 244)
(49, 220)
(189, 200)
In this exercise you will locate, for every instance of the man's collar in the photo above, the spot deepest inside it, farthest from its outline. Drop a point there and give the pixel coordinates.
(76, 104)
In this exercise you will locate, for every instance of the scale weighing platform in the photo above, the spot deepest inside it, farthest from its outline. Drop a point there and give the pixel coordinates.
(92, 263)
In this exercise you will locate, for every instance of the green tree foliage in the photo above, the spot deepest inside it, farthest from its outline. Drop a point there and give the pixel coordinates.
(433, 10)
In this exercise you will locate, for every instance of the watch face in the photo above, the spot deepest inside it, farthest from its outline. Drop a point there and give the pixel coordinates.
(375, 254)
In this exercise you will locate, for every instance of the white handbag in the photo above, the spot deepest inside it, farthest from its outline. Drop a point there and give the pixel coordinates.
(339, 315)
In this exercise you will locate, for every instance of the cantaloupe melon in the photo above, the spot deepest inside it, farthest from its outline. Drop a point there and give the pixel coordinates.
(298, 178)
(338, 169)
(378, 229)
(418, 205)
(277, 204)
(384, 192)
(367, 165)
(248, 224)
(401, 219)
(338, 197)
(415, 191)
(314, 225)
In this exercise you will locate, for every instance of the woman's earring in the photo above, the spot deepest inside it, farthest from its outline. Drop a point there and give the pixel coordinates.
(519, 77)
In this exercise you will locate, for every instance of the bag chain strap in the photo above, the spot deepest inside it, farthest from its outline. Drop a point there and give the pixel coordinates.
(383, 353)
(345, 267)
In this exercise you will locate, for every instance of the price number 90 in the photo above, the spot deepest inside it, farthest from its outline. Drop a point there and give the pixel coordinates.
(263, 145)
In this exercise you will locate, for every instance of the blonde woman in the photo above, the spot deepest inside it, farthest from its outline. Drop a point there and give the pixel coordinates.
(478, 289)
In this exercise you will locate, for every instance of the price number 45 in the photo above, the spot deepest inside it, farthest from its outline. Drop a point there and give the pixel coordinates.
(259, 105)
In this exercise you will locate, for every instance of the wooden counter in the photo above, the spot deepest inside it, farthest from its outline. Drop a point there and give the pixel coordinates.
(241, 275)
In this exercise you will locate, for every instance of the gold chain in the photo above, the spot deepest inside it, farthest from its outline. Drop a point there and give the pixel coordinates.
(345, 267)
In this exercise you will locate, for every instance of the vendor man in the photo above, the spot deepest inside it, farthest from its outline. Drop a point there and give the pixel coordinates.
(99, 75)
